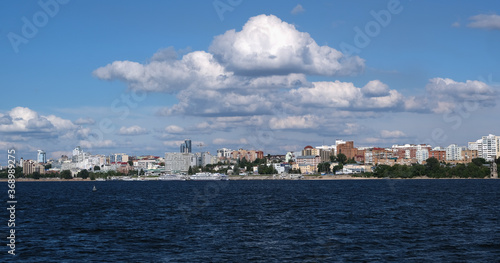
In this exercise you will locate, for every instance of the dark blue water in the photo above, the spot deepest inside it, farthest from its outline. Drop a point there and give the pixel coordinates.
(257, 221)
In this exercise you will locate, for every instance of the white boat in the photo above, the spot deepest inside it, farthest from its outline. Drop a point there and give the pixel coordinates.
(207, 176)
(94, 189)
(171, 177)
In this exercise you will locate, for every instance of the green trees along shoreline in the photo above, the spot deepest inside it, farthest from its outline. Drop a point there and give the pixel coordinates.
(434, 169)
(478, 168)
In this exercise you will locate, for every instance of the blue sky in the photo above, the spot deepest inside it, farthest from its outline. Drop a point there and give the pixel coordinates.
(139, 77)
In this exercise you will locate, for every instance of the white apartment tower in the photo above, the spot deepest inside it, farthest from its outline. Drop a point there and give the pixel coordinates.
(453, 153)
(488, 147)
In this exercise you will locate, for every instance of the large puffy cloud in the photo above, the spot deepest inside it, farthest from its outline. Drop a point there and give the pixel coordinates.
(445, 93)
(5, 119)
(484, 21)
(374, 96)
(267, 53)
(259, 74)
(468, 90)
(375, 88)
(214, 103)
(268, 45)
(27, 130)
(342, 97)
(195, 68)
(21, 119)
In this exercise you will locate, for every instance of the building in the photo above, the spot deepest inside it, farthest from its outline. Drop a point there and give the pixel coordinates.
(224, 153)
(41, 157)
(250, 156)
(308, 160)
(489, 147)
(453, 153)
(409, 151)
(469, 155)
(309, 150)
(186, 146)
(354, 169)
(331, 148)
(438, 153)
(360, 156)
(305, 168)
(422, 155)
(179, 162)
(347, 149)
(30, 167)
(118, 158)
(474, 145)
(144, 164)
(204, 158)
(290, 157)
(77, 151)
(393, 161)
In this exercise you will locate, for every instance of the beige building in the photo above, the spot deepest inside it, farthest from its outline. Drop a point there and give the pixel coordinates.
(30, 166)
(305, 168)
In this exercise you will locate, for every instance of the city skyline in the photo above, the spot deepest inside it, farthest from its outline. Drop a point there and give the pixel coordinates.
(141, 78)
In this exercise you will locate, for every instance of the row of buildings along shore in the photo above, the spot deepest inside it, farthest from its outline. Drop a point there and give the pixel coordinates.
(361, 159)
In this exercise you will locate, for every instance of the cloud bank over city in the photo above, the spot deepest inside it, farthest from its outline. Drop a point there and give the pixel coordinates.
(268, 81)
(262, 70)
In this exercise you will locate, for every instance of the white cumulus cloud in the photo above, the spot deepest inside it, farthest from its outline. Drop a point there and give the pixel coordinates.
(485, 21)
(83, 121)
(298, 9)
(132, 130)
(223, 141)
(22, 119)
(445, 93)
(268, 45)
(293, 122)
(392, 134)
(174, 129)
(374, 96)
(90, 144)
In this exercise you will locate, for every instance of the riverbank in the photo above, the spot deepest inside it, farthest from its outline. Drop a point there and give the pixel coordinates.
(249, 178)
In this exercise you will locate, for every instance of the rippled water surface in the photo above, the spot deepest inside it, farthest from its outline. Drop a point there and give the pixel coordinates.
(257, 221)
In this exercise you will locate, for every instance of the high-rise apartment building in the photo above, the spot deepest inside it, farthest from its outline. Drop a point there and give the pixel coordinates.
(186, 146)
(488, 147)
(41, 157)
(453, 153)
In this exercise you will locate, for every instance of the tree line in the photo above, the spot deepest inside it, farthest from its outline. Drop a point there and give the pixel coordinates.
(433, 169)
(66, 174)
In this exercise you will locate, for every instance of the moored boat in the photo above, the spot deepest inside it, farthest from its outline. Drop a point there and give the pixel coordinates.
(204, 176)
